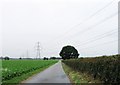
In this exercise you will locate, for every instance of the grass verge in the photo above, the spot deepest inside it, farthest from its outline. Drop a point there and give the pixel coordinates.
(78, 78)
(0, 72)
(22, 78)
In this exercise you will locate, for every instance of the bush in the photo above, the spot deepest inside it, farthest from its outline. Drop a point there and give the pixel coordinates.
(6, 58)
(106, 69)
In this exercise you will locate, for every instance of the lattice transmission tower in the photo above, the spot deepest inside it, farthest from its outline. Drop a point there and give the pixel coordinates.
(38, 51)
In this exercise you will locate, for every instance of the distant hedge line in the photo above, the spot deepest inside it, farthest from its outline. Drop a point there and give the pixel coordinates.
(106, 68)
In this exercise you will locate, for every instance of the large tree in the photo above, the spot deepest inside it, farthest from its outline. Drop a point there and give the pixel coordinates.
(6, 58)
(68, 52)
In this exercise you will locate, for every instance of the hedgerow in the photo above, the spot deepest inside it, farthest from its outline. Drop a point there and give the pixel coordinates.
(105, 68)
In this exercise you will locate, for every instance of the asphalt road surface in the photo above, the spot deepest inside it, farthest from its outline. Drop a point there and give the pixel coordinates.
(53, 74)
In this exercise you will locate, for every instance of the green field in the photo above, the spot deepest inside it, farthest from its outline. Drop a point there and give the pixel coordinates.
(0, 71)
(15, 71)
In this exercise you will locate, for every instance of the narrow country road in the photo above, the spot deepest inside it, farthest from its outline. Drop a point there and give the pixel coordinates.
(53, 74)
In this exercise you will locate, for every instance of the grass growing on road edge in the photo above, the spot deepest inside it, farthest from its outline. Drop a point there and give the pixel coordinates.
(22, 78)
(0, 72)
(76, 77)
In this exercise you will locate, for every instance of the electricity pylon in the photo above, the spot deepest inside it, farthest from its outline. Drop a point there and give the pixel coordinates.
(38, 51)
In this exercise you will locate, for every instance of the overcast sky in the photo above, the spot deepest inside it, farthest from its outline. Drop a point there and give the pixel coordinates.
(90, 26)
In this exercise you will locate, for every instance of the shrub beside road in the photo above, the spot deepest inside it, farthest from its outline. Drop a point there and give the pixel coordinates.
(105, 68)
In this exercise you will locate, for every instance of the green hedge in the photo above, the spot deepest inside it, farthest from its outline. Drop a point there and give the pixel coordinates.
(106, 68)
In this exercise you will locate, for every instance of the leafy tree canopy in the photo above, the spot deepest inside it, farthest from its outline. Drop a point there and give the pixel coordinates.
(68, 52)
(6, 58)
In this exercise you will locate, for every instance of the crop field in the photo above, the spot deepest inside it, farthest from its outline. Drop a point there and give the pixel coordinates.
(16, 68)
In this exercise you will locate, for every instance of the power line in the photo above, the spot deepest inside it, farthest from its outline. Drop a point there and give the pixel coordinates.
(101, 49)
(98, 37)
(102, 35)
(91, 16)
(86, 19)
(91, 41)
(100, 44)
(100, 22)
(92, 27)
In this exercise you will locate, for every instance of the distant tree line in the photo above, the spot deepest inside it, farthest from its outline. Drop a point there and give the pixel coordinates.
(52, 58)
(5, 58)
(45, 58)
